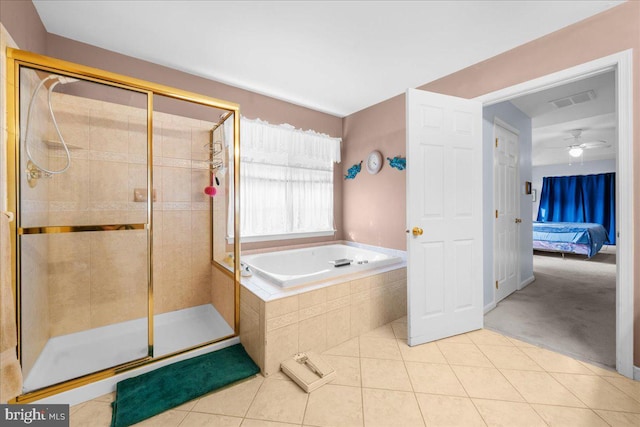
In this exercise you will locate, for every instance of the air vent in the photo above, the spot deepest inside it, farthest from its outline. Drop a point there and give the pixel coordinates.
(577, 98)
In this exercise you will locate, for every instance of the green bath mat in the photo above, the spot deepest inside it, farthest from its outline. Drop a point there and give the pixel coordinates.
(149, 394)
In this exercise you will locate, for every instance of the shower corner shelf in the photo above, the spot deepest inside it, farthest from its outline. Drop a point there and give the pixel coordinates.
(58, 145)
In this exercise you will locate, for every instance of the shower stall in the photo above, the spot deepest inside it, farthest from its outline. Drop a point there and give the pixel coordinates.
(120, 190)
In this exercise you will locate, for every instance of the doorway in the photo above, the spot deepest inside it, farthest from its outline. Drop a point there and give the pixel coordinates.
(621, 64)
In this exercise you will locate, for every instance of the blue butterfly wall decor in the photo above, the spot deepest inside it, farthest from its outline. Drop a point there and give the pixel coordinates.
(397, 162)
(353, 171)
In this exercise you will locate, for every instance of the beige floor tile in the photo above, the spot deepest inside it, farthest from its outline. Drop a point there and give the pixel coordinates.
(186, 406)
(487, 337)
(75, 408)
(279, 376)
(561, 417)
(347, 370)
(385, 408)
(384, 373)
(385, 331)
(232, 401)
(278, 401)
(463, 354)
(429, 352)
(165, 419)
(540, 387)
(262, 423)
(196, 419)
(462, 338)
(597, 393)
(402, 319)
(508, 414)
(440, 389)
(486, 383)
(335, 405)
(519, 343)
(630, 387)
(347, 348)
(92, 414)
(555, 362)
(504, 357)
(400, 330)
(449, 411)
(434, 379)
(109, 397)
(379, 348)
(620, 419)
(601, 371)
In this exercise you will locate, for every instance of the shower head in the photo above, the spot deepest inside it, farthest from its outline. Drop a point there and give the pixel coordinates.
(64, 79)
(57, 79)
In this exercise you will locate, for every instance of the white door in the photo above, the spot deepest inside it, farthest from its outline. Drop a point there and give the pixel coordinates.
(507, 208)
(444, 203)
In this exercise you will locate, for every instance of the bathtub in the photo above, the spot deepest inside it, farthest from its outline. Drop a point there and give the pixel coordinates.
(300, 266)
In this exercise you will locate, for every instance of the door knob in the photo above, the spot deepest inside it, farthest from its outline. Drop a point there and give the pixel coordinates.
(518, 220)
(417, 231)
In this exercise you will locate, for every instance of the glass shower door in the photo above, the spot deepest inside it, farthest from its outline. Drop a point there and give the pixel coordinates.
(194, 301)
(83, 227)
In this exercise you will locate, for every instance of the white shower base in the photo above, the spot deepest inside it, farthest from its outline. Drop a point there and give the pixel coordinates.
(81, 353)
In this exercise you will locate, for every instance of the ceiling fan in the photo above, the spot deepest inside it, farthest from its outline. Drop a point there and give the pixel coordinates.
(576, 147)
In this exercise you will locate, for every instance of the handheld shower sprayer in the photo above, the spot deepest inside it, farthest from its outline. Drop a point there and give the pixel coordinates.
(34, 170)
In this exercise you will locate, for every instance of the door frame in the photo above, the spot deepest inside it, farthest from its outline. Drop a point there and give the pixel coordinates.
(622, 63)
(501, 123)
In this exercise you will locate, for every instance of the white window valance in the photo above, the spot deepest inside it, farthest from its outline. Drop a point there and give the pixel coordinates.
(286, 178)
(284, 145)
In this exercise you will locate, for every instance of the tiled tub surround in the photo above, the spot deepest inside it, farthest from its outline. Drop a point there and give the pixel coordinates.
(276, 323)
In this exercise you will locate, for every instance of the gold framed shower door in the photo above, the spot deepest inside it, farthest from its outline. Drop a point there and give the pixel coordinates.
(15, 60)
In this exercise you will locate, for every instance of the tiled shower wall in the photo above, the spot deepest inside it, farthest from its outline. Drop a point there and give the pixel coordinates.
(182, 245)
(100, 278)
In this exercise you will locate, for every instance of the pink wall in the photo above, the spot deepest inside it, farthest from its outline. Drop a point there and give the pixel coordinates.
(23, 23)
(374, 205)
(382, 126)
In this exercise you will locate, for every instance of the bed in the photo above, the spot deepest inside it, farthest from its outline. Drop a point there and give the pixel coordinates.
(569, 237)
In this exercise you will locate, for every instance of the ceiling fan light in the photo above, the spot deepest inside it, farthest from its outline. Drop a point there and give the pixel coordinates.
(575, 151)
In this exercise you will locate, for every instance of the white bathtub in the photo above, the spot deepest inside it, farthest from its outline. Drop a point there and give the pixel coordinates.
(295, 267)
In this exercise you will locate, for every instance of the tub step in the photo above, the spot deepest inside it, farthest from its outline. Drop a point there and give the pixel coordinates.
(308, 370)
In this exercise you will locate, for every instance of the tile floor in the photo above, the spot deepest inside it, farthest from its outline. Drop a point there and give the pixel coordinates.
(476, 379)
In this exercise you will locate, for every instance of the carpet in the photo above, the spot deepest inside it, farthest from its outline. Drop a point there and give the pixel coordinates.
(149, 394)
(569, 308)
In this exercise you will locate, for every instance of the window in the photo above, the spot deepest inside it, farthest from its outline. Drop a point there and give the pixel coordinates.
(286, 179)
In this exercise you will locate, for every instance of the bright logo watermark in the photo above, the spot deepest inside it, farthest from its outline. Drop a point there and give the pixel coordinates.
(34, 415)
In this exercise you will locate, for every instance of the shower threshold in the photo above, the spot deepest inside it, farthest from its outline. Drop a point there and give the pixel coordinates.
(71, 356)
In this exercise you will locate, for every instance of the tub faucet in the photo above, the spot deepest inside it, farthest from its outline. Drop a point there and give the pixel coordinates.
(245, 271)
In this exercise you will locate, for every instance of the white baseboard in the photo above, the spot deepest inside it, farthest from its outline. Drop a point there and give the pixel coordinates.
(108, 385)
(636, 373)
(527, 282)
(489, 307)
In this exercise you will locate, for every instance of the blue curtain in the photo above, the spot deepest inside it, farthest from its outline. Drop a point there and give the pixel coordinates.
(580, 198)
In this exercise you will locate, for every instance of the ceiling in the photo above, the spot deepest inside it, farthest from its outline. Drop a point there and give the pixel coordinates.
(552, 126)
(333, 56)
